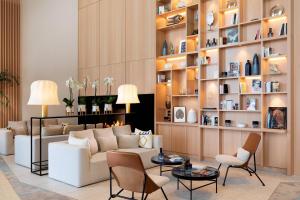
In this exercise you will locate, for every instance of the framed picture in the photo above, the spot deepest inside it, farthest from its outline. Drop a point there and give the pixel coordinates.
(232, 35)
(182, 46)
(256, 85)
(179, 114)
(234, 69)
(277, 118)
(251, 104)
(229, 104)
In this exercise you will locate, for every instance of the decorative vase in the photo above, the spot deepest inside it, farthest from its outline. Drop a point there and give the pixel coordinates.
(81, 109)
(192, 116)
(165, 48)
(108, 108)
(248, 68)
(256, 67)
(69, 110)
(95, 109)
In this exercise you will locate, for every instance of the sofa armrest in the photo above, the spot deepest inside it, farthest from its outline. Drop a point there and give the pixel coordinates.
(6, 142)
(68, 163)
(157, 141)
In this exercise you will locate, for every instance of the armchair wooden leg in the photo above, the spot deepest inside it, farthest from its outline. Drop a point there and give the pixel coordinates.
(164, 193)
(146, 197)
(226, 175)
(132, 196)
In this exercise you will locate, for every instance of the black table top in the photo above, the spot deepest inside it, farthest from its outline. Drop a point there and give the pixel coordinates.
(167, 161)
(209, 173)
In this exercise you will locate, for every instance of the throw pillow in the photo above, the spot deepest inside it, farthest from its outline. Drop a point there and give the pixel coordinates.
(18, 127)
(52, 130)
(90, 136)
(83, 142)
(128, 141)
(103, 132)
(69, 128)
(92, 126)
(243, 155)
(146, 138)
(122, 130)
(107, 143)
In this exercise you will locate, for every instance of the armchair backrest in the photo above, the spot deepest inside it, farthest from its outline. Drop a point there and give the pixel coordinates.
(129, 172)
(252, 143)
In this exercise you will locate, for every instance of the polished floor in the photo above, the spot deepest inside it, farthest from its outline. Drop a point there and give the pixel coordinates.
(239, 186)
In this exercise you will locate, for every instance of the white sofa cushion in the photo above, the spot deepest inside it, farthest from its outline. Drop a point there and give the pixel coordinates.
(122, 130)
(128, 141)
(146, 139)
(18, 127)
(89, 134)
(107, 143)
(6, 142)
(103, 132)
(52, 130)
(84, 142)
(69, 128)
(243, 154)
(229, 160)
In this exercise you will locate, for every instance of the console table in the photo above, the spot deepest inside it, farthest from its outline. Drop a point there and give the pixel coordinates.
(42, 165)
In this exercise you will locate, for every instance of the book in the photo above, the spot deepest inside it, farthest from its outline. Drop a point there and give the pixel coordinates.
(256, 85)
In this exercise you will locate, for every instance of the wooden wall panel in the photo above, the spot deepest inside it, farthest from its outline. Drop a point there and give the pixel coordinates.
(10, 57)
(140, 31)
(165, 131)
(112, 31)
(179, 139)
(82, 37)
(193, 141)
(142, 74)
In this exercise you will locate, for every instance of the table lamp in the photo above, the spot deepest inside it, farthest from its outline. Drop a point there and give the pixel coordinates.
(127, 94)
(43, 93)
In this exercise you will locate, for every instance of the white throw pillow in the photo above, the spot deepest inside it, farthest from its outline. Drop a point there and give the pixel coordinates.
(83, 142)
(89, 134)
(146, 138)
(243, 155)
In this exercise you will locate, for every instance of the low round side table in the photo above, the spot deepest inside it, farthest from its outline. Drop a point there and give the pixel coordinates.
(167, 162)
(210, 174)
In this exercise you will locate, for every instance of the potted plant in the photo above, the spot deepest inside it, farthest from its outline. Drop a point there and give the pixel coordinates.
(5, 77)
(69, 101)
(108, 101)
(108, 82)
(82, 99)
(95, 106)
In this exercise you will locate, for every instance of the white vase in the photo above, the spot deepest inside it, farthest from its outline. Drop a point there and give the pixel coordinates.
(192, 116)
(81, 108)
(95, 108)
(69, 110)
(108, 108)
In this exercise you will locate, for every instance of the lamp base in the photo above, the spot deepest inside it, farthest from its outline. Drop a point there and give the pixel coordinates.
(44, 111)
(127, 107)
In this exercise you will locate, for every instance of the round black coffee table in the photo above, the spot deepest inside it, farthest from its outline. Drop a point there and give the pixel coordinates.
(167, 162)
(208, 174)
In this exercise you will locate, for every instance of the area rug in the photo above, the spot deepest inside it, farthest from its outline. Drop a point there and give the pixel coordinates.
(286, 191)
(24, 191)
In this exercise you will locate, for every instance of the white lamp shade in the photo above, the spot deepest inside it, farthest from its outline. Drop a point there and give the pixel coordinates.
(127, 94)
(43, 92)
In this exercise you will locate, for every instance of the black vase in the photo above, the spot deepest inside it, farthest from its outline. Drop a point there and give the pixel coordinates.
(256, 66)
(248, 68)
(165, 49)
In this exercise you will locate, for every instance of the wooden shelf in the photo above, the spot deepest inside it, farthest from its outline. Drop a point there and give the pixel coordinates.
(172, 56)
(209, 127)
(222, 10)
(240, 129)
(209, 48)
(175, 26)
(276, 56)
(274, 93)
(192, 52)
(242, 111)
(192, 36)
(208, 64)
(256, 21)
(282, 37)
(185, 95)
(209, 79)
(250, 93)
(228, 78)
(172, 12)
(276, 17)
(268, 130)
(229, 26)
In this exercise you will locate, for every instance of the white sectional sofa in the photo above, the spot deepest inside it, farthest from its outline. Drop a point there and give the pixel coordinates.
(74, 165)
(6, 142)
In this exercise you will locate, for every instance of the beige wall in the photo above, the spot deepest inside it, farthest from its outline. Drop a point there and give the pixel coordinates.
(48, 47)
(297, 85)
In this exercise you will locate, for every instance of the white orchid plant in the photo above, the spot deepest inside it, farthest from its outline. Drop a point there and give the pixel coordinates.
(95, 85)
(70, 83)
(108, 82)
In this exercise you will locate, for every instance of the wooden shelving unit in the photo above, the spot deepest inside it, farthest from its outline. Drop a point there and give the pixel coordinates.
(195, 85)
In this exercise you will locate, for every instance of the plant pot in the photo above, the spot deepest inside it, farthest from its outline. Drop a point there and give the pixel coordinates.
(95, 109)
(69, 110)
(81, 108)
(108, 108)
